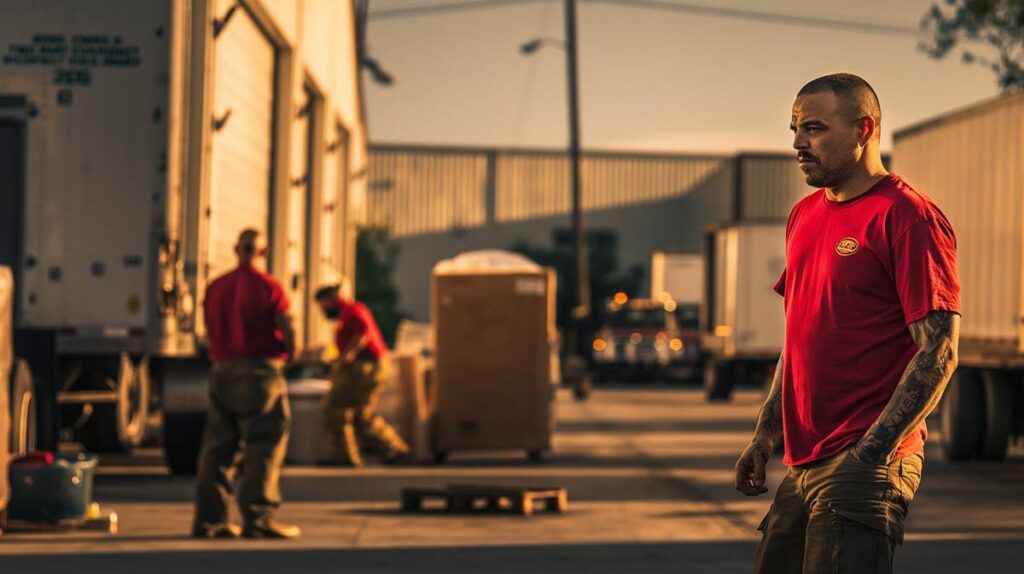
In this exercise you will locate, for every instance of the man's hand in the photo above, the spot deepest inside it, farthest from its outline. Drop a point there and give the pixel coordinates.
(750, 468)
(865, 455)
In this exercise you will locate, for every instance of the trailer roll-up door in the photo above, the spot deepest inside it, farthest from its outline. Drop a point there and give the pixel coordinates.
(243, 136)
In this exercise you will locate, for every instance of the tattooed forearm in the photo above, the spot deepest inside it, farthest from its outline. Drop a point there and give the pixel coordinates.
(920, 389)
(769, 419)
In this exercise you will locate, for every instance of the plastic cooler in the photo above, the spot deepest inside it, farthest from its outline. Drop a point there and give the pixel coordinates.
(51, 487)
(306, 441)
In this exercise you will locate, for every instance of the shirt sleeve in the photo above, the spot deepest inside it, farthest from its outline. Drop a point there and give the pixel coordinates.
(780, 285)
(925, 269)
(278, 299)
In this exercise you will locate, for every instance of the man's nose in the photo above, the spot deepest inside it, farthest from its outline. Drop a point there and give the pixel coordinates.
(799, 141)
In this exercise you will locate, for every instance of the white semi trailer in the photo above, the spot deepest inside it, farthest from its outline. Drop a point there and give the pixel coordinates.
(743, 328)
(971, 162)
(137, 138)
(677, 276)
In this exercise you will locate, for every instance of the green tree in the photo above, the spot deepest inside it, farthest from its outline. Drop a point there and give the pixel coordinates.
(375, 266)
(606, 278)
(989, 33)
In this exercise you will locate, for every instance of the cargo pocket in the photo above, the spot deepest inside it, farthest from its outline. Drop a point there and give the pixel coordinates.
(764, 521)
(862, 538)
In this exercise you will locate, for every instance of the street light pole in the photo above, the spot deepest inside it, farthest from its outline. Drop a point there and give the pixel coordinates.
(581, 284)
(576, 364)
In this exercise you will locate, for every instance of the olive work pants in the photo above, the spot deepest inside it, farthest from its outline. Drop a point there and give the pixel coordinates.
(838, 516)
(350, 411)
(247, 424)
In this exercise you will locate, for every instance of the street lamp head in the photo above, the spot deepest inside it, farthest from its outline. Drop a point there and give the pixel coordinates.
(530, 47)
(379, 74)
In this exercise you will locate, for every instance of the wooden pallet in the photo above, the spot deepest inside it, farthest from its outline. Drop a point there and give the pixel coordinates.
(487, 498)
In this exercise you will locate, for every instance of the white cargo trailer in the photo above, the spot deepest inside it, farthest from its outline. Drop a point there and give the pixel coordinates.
(971, 162)
(677, 276)
(137, 138)
(744, 321)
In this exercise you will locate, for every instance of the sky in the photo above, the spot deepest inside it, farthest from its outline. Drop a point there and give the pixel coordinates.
(650, 80)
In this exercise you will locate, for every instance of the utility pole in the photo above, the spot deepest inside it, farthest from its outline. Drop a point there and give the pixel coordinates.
(581, 282)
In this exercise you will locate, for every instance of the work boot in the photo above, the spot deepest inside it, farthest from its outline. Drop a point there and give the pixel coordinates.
(216, 531)
(341, 462)
(270, 528)
(396, 457)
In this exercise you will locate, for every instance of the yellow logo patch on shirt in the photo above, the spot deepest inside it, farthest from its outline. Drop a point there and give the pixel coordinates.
(847, 246)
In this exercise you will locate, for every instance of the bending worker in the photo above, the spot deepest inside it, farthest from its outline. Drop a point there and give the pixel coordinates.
(358, 377)
(250, 335)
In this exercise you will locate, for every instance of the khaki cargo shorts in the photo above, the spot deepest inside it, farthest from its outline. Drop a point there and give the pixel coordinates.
(837, 516)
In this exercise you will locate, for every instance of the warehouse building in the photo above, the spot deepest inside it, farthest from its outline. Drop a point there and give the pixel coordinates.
(436, 202)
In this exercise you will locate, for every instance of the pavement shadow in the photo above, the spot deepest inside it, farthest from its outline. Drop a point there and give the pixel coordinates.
(354, 487)
(713, 557)
(699, 557)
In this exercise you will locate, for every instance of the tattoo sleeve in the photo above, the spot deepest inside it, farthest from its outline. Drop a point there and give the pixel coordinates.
(920, 389)
(769, 419)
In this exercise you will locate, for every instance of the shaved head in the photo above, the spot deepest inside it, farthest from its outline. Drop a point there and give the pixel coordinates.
(248, 236)
(250, 247)
(856, 97)
(836, 126)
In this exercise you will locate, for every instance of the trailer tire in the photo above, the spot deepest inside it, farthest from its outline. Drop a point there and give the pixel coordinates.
(183, 439)
(962, 413)
(23, 409)
(719, 380)
(998, 387)
(120, 426)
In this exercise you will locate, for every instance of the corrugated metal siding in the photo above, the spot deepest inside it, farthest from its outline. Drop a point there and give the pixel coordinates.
(770, 186)
(413, 192)
(241, 157)
(537, 185)
(972, 165)
(532, 185)
(424, 191)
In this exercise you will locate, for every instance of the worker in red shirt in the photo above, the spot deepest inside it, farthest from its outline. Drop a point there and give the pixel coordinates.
(250, 337)
(872, 303)
(358, 377)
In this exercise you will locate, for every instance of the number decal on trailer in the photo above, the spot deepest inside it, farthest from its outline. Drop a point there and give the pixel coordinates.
(73, 77)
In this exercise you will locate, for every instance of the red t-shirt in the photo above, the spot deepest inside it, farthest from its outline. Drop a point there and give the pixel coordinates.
(240, 310)
(354, 320)
(857, 273)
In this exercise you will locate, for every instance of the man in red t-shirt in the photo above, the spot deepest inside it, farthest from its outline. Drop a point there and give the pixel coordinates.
(358, 377)
(250, 335)
(872, 306)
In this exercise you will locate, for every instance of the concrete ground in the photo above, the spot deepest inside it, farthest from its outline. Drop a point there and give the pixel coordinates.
(649, 474)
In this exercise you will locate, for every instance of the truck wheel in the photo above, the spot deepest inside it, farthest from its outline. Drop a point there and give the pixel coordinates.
(183, 385)
(23, 409)
(183, 438)
(998, 387)
(121, 425)
(718, 381)
(583, 386)
(962, 413)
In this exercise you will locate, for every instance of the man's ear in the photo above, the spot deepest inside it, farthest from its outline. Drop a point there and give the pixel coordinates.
(866, 128)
